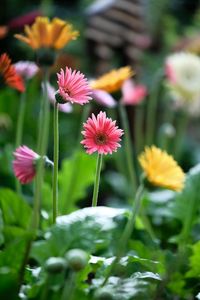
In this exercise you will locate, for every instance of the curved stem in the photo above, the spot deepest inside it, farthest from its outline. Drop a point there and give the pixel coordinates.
(56, 158)
(152, 108)
(42, 147)
(127, 231)
(128, 148)
(97, 180)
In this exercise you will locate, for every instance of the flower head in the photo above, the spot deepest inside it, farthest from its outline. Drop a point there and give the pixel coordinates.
(24, 164)
(73, 87)
(133, 94)
(48, 34)
(26, 69)
(9, 75)
(101, 134)
(161, 169)
(183, 74)
(66, 107)
(113, 80)
(183, 77)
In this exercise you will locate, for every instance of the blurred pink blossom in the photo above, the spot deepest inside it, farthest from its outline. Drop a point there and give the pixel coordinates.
(24, 164)
(170, 73)
(133, 94)
(26, 69)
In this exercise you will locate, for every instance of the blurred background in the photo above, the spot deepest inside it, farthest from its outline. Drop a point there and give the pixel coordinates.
(113, 33)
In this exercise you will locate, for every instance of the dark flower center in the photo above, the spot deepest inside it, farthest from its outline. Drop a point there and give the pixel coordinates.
(67, 91)
(101, 139)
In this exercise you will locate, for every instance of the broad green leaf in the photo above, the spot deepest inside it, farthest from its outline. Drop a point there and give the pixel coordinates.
(187, 203)
(15, 211)
(92, 229)
(76, 175)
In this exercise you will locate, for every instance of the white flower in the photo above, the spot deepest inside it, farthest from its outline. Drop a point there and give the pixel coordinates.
(183, 74)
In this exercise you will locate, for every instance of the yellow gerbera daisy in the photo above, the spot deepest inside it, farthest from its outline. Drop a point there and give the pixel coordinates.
(48, 34)
(112, 81)
(161, 169)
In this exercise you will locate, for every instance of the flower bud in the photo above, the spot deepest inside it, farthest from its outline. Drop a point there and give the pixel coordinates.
(168, 130)
(77, 259)
(59, 98)
(55, 265)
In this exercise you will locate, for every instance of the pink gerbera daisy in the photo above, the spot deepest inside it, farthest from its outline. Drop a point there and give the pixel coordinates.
(101, 134)
(24, 164)
(73, 87)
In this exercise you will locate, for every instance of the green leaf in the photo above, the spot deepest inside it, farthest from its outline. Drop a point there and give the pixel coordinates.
(15, 211)
(76, 175)
(139, 286)
(1, 229)
(187, 203)
(194, 261)
(92, 229)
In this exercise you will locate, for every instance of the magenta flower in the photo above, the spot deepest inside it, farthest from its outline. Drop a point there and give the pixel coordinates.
(66, 107)
(101, 134)
(26, 69)
(133, 94)
(73, 87)
(24, 164)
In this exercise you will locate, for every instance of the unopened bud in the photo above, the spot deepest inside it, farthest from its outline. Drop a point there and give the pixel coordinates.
(77, 259)
(55, 265)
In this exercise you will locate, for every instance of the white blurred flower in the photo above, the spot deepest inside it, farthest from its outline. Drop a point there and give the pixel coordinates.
(27, 69)
(183, 81)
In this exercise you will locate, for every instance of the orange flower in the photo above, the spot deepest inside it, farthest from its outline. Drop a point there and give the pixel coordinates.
(48, 34)
(9, 75)
(3, 31)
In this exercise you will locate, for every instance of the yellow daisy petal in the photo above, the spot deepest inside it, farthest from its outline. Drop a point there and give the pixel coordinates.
(66, 35)
(41, 31)
(113, 80)
(57, 26)
(45, 34)
(161, 169)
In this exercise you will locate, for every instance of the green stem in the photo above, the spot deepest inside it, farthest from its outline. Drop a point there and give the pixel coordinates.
(128, 148)
(152, 108)
(127, 231)
(56, 158)
(19, 131)
(20, 120)
(42, 147)
(97, 180)
(182, 122)
(69, 288)
(138, 129)
(73, 178)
